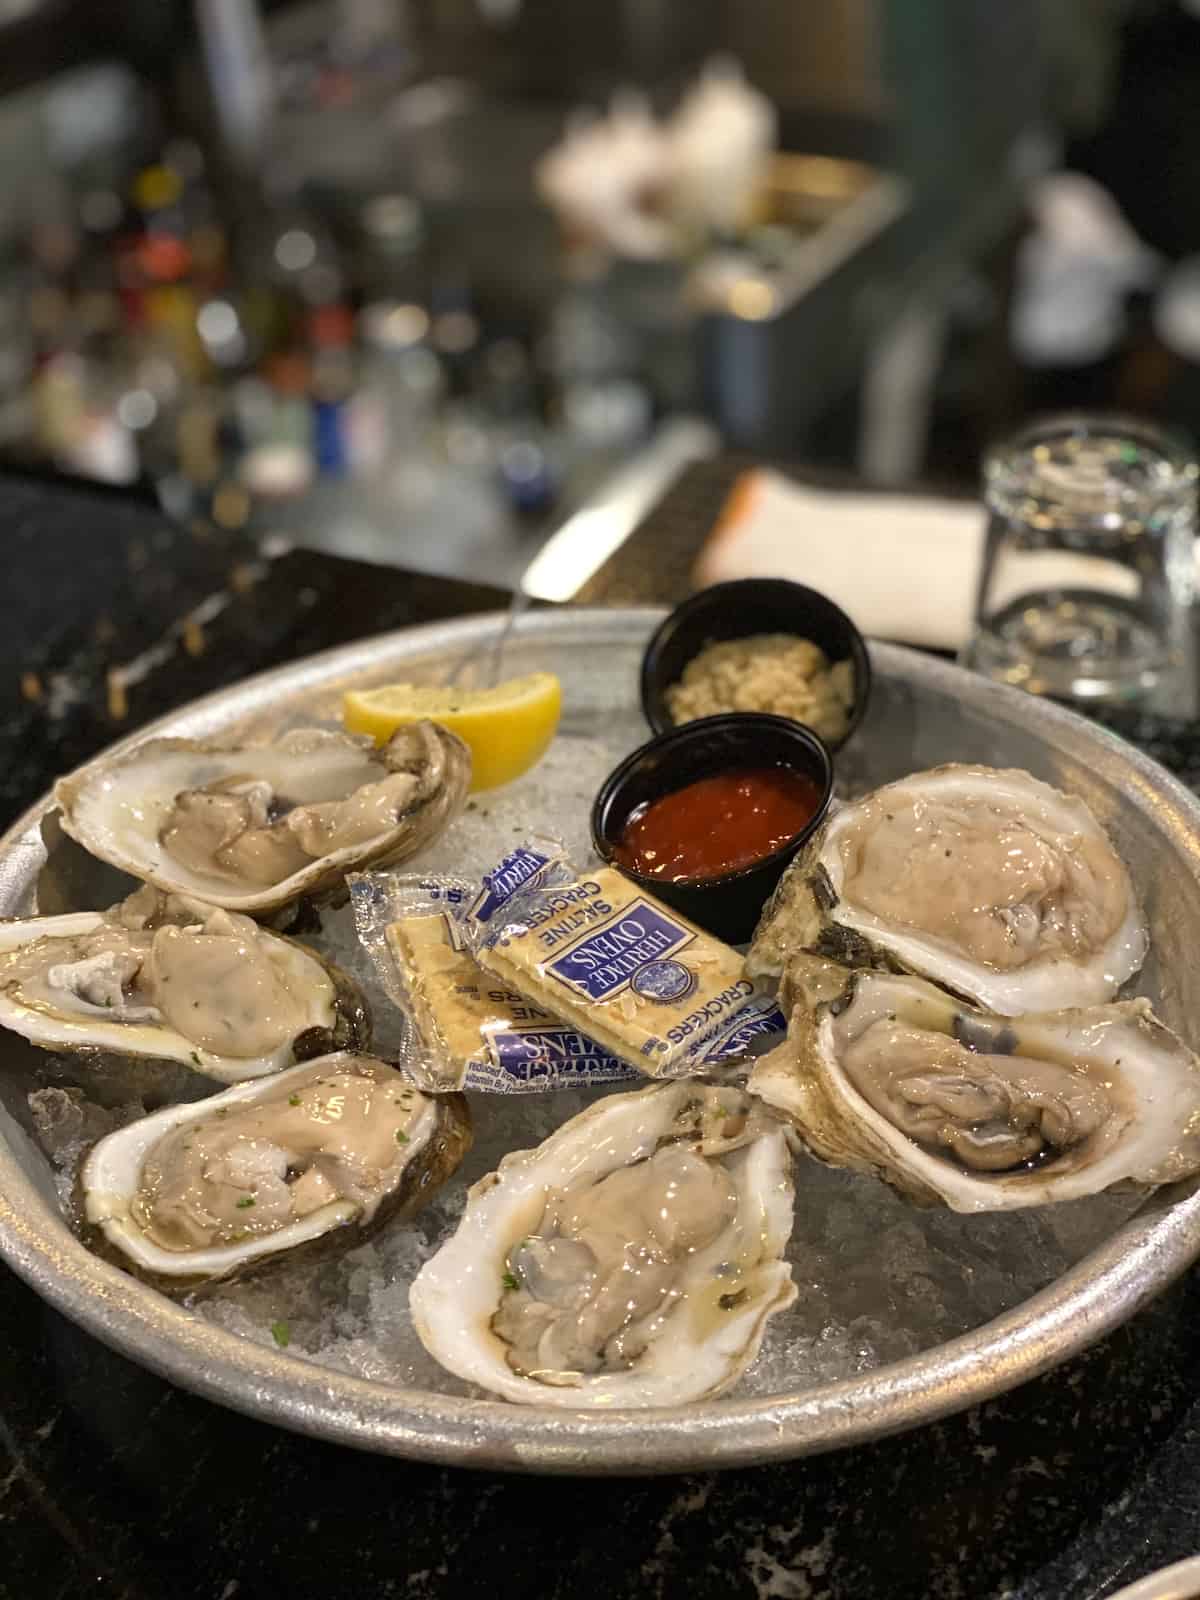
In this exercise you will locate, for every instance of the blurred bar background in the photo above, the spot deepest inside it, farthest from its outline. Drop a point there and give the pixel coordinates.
(420, 280)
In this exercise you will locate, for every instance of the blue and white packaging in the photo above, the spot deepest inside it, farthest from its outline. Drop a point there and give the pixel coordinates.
(654, 989)
(466, 1029)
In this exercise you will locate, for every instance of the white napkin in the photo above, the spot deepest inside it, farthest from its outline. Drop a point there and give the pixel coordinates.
(901, 566)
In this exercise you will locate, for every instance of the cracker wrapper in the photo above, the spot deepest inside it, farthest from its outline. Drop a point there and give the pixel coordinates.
(759, 1026)
(466, 1028)
(651, 987)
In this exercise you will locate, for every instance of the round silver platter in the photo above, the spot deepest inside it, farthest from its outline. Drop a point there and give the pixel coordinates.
(923, 712)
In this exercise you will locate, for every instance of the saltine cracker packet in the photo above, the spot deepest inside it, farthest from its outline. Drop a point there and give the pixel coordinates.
(466, 1029)
(595, 949)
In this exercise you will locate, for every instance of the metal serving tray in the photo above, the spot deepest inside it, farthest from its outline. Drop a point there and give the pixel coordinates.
(923, 712)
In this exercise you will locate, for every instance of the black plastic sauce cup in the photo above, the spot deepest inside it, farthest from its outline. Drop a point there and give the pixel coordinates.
(729, 904)
(736, 611)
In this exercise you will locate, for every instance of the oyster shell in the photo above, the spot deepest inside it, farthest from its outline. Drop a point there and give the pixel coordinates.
(215, 1189)
(632, 1259)
(986, 1113)
(173, 980)
(987, 881)
(256, 828)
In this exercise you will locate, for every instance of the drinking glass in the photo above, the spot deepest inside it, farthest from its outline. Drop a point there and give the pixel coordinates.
(1087, 577)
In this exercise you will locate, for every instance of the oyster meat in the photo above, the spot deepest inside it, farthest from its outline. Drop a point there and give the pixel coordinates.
(632, 1259)
(214, 1189)
(987, 881)
(254, 829)
(175, 980)
(981, 1112)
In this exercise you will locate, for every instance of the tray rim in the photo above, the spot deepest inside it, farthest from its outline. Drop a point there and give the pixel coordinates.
(1095, 1296)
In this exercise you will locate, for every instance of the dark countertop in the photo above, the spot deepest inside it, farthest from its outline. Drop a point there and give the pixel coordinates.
(116, 1484)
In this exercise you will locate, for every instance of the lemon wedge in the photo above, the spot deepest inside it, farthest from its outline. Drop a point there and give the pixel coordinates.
(508, 728)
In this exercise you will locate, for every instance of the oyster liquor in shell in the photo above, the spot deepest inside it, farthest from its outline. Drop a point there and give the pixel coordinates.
(633, 1259)
(161, 978)
(215, 1189)
(986, 1113)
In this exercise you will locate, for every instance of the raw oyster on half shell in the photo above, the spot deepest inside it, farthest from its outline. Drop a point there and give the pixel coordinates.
(169, 979)
(981, 1112)
(216, 1188)
(258, 827)
(987, 881)
(632, 1259)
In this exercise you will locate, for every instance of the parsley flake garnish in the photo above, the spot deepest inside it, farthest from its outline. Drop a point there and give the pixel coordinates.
(245, 1202)
(510, 1280)
(281, 1334)
(401, 1136)
(293, 1099)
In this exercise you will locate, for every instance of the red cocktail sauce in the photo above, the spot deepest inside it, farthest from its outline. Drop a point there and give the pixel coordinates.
(718, 824)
